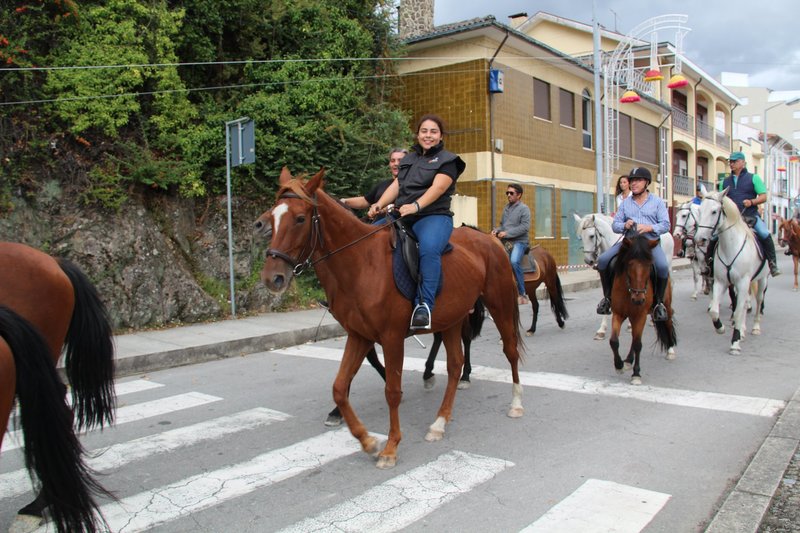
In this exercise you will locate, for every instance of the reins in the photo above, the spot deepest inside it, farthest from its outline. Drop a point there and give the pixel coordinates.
(315, 239)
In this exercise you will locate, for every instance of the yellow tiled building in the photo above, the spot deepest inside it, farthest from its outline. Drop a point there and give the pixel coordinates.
(539, 131)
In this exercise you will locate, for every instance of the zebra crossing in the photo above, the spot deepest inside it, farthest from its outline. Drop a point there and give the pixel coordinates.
(391, 505)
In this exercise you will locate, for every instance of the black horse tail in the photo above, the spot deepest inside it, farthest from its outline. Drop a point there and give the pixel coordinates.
(476, 318)
(665, 333)
(89, 357)
(52, 451)
(557, 304)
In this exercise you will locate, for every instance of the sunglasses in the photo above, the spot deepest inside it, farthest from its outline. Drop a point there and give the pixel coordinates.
(510, 193)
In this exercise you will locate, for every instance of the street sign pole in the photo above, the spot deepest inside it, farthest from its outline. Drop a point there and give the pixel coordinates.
(240, 152)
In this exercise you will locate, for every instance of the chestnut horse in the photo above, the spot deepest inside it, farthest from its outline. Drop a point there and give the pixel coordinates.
(790, 236)
(353, 262)
(47, 304)
(547, 273)
(632, 298)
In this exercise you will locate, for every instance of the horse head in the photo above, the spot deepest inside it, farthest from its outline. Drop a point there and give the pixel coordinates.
(293, 226)
(592, 238)
(635, 262)
(686, 220)
(712, 214)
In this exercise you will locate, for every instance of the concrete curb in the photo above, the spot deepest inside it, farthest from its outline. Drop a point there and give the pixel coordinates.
(746, 505)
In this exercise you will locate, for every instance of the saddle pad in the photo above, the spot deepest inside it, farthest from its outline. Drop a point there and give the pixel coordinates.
(402, 277)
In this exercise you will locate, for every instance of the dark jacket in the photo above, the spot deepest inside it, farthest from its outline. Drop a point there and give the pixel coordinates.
(744, 190)
(417, 171)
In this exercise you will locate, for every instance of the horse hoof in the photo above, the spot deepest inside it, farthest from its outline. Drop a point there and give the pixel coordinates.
(599, 336)
(463, 385)
(333, 421)
(515, 412)
(24, 523)
(385, 462)
(529, 333)
(370, 446)
(735, 351)
(627, 367)
(429, 383)
(794, 289)
(636, 380)
(720, 330)
(671, 354)
(756, 331)
(434, 435)
(694, 297)
(619, 371)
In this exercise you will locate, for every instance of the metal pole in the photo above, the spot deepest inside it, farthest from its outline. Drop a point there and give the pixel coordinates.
(598, 115)
(230, 223)
(765, 148)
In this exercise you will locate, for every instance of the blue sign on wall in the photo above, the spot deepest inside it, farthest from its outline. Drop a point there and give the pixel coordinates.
(495, 81)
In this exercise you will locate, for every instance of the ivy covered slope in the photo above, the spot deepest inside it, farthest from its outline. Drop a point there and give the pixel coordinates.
(119, 105)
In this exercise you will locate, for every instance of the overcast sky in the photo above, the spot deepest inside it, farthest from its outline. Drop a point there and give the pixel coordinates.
(759, 37)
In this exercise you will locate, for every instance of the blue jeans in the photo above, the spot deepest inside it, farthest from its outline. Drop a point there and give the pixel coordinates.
(516, 265)
(760, 228)
(433, 233)
(659, 259)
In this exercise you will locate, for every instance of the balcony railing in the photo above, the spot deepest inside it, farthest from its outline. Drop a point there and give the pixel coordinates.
(707, 184)
(682, 185)
(682, 120)
(723, 139)
(705, 131)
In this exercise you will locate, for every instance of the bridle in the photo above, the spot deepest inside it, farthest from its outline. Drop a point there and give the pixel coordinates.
(595, 251)
(684, 232)
(632, 290)
(713, 228)
(315, 240)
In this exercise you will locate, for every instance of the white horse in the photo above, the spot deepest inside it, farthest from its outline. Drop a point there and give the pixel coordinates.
(685, 228)
(597, 236)
(737, 262)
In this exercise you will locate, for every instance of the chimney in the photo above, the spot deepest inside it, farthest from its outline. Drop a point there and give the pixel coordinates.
(415, 17)
(515, 21)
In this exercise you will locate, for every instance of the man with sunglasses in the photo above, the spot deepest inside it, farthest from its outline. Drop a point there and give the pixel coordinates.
(513, 229)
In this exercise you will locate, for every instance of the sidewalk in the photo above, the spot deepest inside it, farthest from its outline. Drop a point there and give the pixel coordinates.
(146, 351)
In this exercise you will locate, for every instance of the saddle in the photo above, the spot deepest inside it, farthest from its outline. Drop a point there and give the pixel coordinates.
(530, 268)
(405, 260)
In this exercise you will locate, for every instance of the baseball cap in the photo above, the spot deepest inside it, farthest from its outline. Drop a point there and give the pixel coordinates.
(735, 156)
(639, 172)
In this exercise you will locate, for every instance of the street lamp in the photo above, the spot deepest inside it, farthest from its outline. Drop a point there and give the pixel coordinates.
(765, 151)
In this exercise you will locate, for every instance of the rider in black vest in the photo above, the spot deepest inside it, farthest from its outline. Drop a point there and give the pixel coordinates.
(748, 191)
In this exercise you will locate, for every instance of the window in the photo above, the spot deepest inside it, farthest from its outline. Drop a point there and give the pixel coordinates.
(574, 203)
(625, 135)
(586, 119)
(745, 120)
(756, 119)
(646, 142)
(541, 99)
(795, 114)
(543, 210)
(566, 101)
(745, 100)
(796, 134)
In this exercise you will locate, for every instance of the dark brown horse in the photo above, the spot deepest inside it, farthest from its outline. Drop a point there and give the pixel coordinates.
(790, 236)
(632, 298)
(45, 305)
(547, 273)
(354, 265)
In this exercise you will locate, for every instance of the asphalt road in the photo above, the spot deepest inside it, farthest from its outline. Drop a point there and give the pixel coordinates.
(239, 444)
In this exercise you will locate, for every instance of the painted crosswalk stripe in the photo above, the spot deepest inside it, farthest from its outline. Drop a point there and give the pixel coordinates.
(18, 482)
(182, 498)
(733, 403)
(138, 411)
(601, 507)
(401, 501)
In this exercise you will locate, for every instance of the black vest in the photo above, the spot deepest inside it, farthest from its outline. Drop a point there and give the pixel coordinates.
(416, 175)
(744, 190)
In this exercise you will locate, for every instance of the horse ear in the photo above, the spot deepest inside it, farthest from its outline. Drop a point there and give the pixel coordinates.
(703, 191)
(285, 176)
(725, 190)
(578, 218)
(654, 242)
(316, 182)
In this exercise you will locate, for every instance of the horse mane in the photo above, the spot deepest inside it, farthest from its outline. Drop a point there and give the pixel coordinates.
(633, 249)
(296, 186)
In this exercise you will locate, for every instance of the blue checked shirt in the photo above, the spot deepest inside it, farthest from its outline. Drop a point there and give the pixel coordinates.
(652, 212)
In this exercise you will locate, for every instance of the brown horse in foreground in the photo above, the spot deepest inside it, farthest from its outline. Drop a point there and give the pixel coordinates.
(353, 262)
(632, 298)
(547, 273)
(45, 305)
(790, 236)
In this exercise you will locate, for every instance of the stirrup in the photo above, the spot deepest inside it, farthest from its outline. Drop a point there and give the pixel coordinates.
(421, 317)
(660, 312)
(774, 270)
(604, 307)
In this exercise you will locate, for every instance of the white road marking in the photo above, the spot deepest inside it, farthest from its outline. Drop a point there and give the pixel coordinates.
(601, 507)
(748, 405)
(402, 500)
(18, 482)
(139, 411)
(182, 498)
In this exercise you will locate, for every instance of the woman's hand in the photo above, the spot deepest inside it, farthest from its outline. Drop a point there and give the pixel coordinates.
(409, 209)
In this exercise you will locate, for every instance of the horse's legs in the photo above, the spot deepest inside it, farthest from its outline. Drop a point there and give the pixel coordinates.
(335, 416)
(506, 319)
(739, 315)
(796, 261)
(616, 324)
(696, 277)
(713, 307)
(535, 307)
(600, 334)
(393, 357)
(761, 287)
(427, 377)
(637, 326)
(354, 351)
(466, 338)
(455, 361)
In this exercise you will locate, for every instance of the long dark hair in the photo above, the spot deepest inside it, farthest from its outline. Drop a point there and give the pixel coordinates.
(619, 188)
(435, 118)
